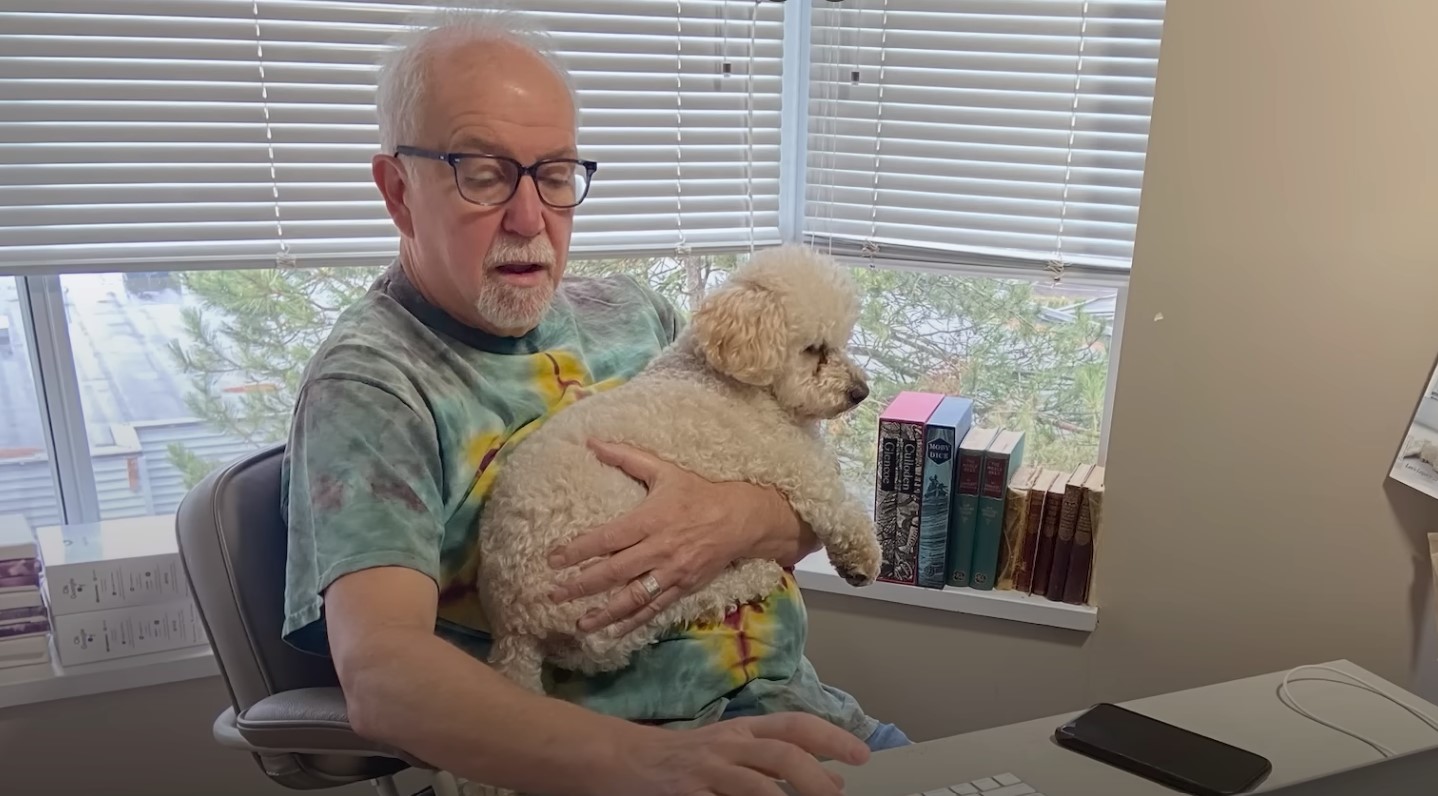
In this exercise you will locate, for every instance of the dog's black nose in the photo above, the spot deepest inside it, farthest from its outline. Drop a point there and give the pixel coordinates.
(858, 393)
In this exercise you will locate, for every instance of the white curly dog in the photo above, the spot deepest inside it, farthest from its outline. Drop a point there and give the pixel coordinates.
(738, 396)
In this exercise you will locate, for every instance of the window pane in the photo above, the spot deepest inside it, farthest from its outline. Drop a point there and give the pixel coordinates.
(26, 484)
(1033, 356)
(181, 372)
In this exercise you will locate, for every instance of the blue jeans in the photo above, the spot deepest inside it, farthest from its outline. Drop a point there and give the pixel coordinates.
(887, 736)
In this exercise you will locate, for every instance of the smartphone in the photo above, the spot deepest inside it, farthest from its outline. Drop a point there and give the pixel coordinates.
(1172, 756)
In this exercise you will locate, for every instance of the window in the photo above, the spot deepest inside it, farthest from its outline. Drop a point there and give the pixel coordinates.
(27, 484)
(978, 166)
(180, 371)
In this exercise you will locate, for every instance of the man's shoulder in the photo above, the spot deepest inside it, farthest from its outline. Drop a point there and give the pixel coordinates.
(373, 338)
(621, 295)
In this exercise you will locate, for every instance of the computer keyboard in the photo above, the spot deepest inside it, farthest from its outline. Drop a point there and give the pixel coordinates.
(996, 785)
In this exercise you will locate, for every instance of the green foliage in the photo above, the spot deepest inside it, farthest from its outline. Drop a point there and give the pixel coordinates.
(996, 341)
(987, 339)
(246, 345)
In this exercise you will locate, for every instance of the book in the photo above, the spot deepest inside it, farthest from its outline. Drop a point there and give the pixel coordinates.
(24, 651)
(1080, 575)
(16, 538)
(947, 425)
(24, 627)
(1044, 555)
(132, 630)
(1001, 461)
(901, 435)
(19, 583)
(110, 564)
(1023, 571)
(19, 567)
(1016, 517)
(965, 518)
(1064, 536)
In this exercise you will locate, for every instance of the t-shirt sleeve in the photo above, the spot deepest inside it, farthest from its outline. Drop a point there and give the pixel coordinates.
(671, 319)
(363, 490)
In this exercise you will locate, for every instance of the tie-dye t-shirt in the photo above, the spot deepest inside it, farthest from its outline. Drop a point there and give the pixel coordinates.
(404, 417)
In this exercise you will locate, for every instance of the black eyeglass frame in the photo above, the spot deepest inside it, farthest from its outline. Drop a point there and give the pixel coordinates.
(453, 158)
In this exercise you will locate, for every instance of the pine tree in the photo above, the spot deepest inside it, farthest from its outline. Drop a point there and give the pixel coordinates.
(995, 341)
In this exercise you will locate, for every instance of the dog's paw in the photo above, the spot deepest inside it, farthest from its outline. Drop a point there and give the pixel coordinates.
(859, 567)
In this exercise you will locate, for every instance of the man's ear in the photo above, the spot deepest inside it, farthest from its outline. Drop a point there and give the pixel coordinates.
(741, 331)
(391, 179)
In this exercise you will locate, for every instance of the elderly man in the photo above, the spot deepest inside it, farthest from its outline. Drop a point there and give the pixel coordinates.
(460, 348)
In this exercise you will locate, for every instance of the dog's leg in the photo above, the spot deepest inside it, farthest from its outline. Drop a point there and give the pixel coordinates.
(818, 495)
(519, 658)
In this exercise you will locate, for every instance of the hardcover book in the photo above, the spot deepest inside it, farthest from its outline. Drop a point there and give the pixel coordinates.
(1044, 555)
(1001, 461)
(1064, 538)
(965, 521)
(1033, 526)
(948, 424)
(1080, 576)
(1016, 518)
(901, 436)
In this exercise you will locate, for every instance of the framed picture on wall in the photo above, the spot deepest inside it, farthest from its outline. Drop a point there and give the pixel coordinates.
(1417, 462)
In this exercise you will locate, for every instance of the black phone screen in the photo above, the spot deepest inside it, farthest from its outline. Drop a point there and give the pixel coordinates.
(1158, 750)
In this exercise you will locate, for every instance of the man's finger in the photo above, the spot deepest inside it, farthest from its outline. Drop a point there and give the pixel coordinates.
(637, 464)
(647, 613)
(604, 540)
(793, 765)
(812, 734)
(624, 604)
(607, 574)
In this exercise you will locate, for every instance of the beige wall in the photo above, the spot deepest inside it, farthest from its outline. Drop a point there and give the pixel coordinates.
(1288, 236)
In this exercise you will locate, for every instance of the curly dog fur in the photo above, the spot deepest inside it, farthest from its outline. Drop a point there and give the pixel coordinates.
(737, 397)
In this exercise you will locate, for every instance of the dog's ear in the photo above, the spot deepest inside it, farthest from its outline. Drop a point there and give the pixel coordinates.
(741, 331)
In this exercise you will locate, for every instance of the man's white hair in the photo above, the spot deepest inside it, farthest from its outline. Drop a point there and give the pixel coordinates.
(405, 69)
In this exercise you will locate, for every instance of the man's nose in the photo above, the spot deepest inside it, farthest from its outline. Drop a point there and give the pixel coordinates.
(524, 214)
(858, 393)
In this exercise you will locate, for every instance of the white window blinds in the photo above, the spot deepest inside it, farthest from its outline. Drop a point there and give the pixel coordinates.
(135, 134)
(980, 132)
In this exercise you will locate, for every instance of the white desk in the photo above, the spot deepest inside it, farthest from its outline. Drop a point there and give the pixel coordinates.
(1246, 713)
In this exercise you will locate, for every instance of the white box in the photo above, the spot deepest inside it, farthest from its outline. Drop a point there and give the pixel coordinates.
(111, 564)
(122, 632)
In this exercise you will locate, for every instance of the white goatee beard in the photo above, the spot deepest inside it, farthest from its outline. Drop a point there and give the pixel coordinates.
(506, 306)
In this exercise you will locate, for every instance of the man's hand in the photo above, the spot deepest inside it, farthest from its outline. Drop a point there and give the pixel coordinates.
(737, 757)
(679, 539)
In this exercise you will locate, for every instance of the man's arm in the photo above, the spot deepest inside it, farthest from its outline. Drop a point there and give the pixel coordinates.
(406, 687)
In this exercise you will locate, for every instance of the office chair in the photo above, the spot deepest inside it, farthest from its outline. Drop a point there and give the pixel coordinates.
(286, 706)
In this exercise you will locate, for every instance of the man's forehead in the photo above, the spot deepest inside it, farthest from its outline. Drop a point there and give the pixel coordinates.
(482, 144)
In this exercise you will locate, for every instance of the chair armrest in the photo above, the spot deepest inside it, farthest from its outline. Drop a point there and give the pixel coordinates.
(302, 721)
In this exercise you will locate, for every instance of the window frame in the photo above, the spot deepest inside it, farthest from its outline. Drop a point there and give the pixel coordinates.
(62, 413)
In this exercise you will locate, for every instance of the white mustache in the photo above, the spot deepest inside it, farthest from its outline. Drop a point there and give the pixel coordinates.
(512, 250)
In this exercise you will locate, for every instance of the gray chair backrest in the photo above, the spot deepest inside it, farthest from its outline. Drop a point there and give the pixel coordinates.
(233, 542)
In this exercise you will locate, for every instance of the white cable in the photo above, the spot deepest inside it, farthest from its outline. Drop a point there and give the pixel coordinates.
(283, 258)
(749, 117)
(1286, 697)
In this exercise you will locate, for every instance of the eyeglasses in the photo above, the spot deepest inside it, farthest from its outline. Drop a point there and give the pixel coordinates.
(490, 180)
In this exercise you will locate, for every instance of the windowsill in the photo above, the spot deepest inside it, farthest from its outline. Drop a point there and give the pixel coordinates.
(816, 574)
(47, 682)
(52, 681)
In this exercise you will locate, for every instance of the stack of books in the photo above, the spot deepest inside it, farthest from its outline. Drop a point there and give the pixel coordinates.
(115, 588)
(24, 621)
(956, 505)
